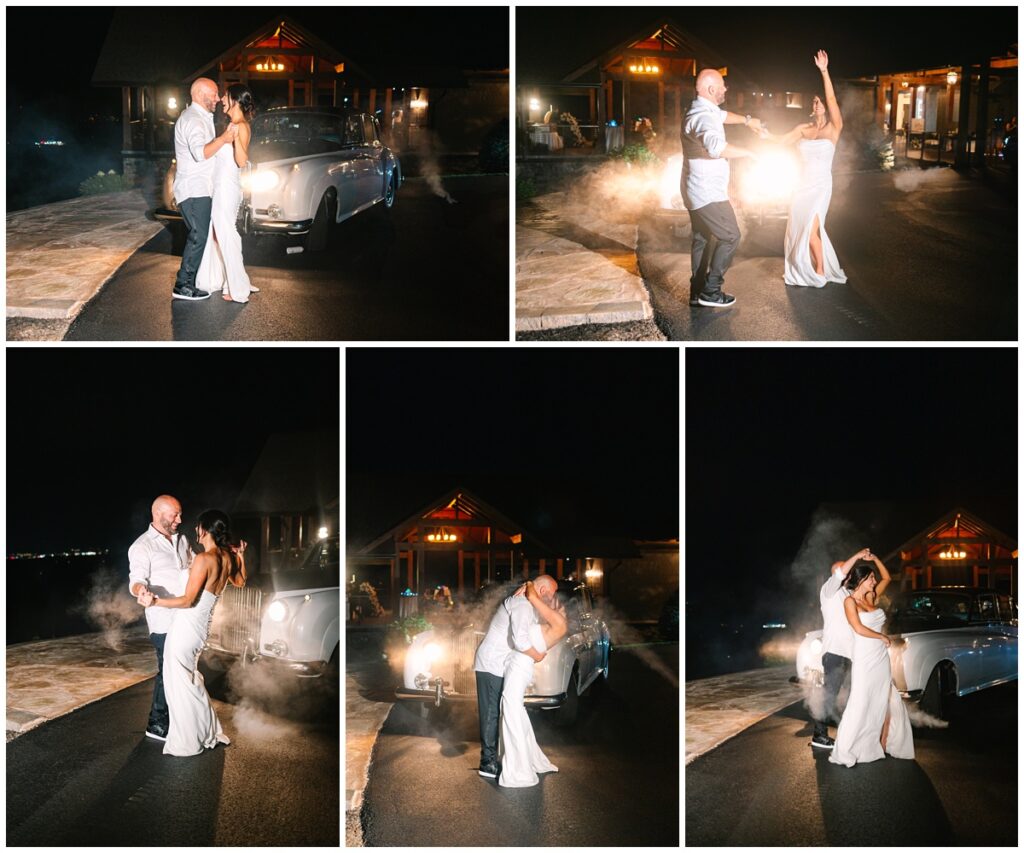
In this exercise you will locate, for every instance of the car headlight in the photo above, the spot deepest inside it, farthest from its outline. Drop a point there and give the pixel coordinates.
(433, 652)
(262, 181)
(772, 178)
(815, 647)
(278, 611)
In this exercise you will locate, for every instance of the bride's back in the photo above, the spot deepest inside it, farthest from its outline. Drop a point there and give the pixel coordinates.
(223, 565)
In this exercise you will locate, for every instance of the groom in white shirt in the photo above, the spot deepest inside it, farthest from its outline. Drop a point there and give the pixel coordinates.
(836, 646)
(508, 632)
(195, 144)
(705, 188)
(158, 564)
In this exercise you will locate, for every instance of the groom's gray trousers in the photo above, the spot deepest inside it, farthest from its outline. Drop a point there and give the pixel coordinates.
(837, 672)
(196, 212)
(488, 702)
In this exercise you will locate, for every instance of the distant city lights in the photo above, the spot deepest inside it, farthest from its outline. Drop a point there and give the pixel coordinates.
(74, 552)
(774, 625)
(44, 142)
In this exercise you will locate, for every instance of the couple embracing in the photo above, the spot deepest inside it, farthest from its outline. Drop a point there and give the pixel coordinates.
(524, 627)
(875, 722)
(208, 190)
(179, 590)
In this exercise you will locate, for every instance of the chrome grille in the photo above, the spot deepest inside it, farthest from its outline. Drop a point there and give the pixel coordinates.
(236, 620)
(462, 651)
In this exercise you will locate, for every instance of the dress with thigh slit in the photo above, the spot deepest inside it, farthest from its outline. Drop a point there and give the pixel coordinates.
(811, 199)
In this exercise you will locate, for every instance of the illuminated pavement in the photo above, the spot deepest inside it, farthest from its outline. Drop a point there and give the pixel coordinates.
(720, 708)
(50, 678)
(936, 263)
(59, 255)
(575, 268)
(617, 785)
(91, 778)
(429, 270)
(767, 787)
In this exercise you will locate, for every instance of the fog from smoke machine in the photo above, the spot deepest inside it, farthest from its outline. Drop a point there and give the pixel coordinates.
(110, 607)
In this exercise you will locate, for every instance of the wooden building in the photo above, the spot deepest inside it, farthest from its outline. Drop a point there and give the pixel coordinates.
(958, 549)
(290, 499)
(154, 57)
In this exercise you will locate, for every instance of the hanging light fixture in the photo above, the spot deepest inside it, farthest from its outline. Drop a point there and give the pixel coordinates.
(951, 78)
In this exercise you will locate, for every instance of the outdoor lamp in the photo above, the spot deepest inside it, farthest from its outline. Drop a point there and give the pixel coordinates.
(951, 78)
(172, 103)
(322, 533)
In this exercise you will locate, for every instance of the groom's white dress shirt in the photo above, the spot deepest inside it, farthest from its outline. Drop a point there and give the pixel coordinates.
(193, 131)
(509, 631)
(162, 565)
(837, 635)
(705, 170)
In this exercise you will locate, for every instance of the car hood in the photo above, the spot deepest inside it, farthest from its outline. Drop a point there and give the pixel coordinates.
(296, 581)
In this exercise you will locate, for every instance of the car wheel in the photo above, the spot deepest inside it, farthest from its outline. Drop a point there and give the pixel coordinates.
(938, 693)
(569, 711)
(326, 213)
(389, 193)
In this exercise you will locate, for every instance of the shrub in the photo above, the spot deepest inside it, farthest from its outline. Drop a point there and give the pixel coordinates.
(493, 155)
(409, 626)
(525, 188)
(639, 154)
(104, 182)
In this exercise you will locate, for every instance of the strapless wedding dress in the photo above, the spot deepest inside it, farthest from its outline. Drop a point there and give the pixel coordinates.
(520, 757)
(194, 724)
(811, 198)
(222, 270)
(872, 696)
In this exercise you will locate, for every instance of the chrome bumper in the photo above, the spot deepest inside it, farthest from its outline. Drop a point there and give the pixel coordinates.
(297, 668)
(409, 693)
(250, 225)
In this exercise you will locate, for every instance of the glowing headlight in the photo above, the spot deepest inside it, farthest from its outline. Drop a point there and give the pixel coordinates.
(278, 611)
(771, 179)
(262, 181)
(433, 652)
(815, 647)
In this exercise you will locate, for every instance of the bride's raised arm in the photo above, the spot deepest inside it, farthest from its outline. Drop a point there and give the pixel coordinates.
(836, 117)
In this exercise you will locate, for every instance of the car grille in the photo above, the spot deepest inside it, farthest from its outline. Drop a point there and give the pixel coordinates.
(458, 662)
(236, 620)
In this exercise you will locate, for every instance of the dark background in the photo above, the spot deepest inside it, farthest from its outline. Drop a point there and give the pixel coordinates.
(770, 43)
(772, 435)
(51, 95)
(571, 440)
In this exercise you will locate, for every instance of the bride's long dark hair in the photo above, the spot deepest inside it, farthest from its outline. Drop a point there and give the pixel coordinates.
(857, 574)
(218, 525)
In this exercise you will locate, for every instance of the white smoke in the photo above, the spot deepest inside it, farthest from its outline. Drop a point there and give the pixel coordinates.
(110, 607)
(427, 151)
(911, 180)
(627, 639)
(814, 699)
(923, 720)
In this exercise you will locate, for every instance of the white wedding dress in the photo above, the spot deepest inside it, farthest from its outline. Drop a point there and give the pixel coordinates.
(194, 724)
(811, 199)
(222, 270)
(872, 695)
(520, 757)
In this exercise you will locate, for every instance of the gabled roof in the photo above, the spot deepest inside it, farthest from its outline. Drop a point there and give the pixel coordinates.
(963, 519)
(469, 506)
(295, 473)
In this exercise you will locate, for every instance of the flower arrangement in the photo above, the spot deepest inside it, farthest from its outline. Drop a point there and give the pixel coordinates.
(368, 588)
(574, 127)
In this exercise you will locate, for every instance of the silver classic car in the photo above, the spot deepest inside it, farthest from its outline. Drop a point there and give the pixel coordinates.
(946, 642)
(438, 665)
(288, 620)
(309, 167)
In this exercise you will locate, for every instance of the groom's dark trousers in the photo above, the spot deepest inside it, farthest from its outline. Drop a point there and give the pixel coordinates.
(488, 701)
(159, 718)
(837, 671)
(196, 213)
(714, 229)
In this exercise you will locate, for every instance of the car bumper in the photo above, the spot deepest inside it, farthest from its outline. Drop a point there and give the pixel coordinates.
(295, 668)
(251, 225)
(411, 694)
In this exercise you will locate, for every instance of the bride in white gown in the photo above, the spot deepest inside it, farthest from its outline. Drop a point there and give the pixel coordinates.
(520, 757)
(221, 268)
(194, 724)
(810, 260)
(875, 721)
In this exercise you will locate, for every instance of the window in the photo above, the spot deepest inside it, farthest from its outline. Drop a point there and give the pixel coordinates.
(353, 129)
(369, 129)
(984, 608)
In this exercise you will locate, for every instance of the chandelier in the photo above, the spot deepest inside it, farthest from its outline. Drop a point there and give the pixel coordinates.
(644, 66)
(268, 64)
(951, 553)
(442, 535)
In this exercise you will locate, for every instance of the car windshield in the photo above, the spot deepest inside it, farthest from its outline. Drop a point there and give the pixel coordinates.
(321, 568)
(925, 610)
(279, 136)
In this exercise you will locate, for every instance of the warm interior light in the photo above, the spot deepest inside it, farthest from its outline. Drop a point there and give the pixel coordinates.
(951, 78)
(172, 103)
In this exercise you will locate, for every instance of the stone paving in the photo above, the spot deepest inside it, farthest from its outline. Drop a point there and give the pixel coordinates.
(50, 678)
(60, 255)
(722, 707)
(573, 267)
(364, 715)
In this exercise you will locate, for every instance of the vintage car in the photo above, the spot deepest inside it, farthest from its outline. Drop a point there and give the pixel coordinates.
(309, 167)
(288, 619)
(947, 642)
(438, 665)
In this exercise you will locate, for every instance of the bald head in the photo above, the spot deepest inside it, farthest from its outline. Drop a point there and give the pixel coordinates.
(546, 586)
(711, 85)
(204, 93)
(166, 514)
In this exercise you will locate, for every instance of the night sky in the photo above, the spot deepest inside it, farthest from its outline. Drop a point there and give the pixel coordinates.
(581, 441)
(773, 434)
(93, 435)
(770, 42)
